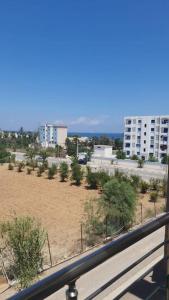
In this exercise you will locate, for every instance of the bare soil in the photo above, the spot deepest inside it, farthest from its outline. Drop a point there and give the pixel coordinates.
(59, 206)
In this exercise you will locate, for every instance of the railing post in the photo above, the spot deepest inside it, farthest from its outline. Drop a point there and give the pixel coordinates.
(72, 292)
(166, 254)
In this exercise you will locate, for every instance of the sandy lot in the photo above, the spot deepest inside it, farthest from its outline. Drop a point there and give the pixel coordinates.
(57, 205)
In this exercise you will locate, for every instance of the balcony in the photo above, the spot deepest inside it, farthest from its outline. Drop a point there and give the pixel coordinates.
(107, 258)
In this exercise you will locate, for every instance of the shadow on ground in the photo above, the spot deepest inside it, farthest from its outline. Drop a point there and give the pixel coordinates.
(150, 287)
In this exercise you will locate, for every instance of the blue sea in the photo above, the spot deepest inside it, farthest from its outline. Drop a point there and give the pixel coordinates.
(96, 134)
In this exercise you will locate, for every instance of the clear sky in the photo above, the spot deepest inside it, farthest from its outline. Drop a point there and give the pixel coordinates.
(86, 63)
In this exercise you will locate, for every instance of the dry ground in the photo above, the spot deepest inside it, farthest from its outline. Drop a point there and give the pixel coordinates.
(57, 205)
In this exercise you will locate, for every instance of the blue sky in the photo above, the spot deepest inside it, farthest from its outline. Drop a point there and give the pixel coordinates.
(86, 63)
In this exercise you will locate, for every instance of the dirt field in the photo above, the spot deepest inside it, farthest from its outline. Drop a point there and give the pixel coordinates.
(57, 205)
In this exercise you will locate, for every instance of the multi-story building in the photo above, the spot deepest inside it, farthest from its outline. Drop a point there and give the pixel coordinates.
(146, 136)
(51, 135)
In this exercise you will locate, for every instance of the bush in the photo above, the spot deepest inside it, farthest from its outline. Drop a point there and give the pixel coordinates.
(10, 166)
(29, 170)
(94, 225)
(77, 174)
(165, 159)
(54, 168)
(24, 239)
(4, 155)
(40, 170)
(51, 173)
(20, 167)
(155, 184)
(154, 196)
(135, 181)
(120, 154)
(92, 180)
(144, 186)
(103, 177)
(140, 163)
(119, 202)
(64, 171)
(134, 157)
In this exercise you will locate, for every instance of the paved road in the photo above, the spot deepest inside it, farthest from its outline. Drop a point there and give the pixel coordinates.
(100, 275)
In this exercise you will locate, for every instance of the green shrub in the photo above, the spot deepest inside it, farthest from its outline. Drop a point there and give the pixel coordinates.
(140, 163)
(155, 184)
(144, 186)
(77, 174)
(51, 173)
(92, 180)
(119, 201)
(24, 239)
(54, 168)
(134, 157)
(154, 196)
(10, 166)
(64, 171)
(120, 154)
(29, 170)
(20, 167)
(103, 177)
(135, 181)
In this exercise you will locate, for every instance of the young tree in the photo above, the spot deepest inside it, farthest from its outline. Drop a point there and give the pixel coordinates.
(24, 238)
(77, 174)
(43, 155)
(64, 171)
(120, 154)
(103, 178)
(119, 201)
(92, 179)
(144, 186)
(140, 163)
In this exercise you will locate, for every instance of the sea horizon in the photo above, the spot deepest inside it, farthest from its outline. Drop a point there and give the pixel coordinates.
(114, 135)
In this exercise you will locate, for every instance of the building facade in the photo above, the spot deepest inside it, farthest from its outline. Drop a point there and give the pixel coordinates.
(146, 136)
(51, 135)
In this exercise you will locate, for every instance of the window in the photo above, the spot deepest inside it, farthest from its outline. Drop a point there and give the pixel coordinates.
(139, 121)
(152, 129)
(139, 129)
(127, 145)
(128, 122)
(144, 149)
(144, 133)
(128, 152)
(138, 153)
(151, 146)
(145, 125)
(144, 141)
(152, 121)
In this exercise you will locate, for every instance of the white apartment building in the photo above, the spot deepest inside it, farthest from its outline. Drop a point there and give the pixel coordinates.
(51, 135)
(146, 136)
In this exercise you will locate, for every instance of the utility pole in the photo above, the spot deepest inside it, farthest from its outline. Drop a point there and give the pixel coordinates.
(166, 250)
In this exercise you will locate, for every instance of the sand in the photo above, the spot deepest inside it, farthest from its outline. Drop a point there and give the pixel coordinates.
(59, 206)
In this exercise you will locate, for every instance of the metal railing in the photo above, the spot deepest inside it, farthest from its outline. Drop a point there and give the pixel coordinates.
(70, 274)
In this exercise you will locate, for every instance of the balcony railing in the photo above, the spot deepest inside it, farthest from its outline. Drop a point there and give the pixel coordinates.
(69, 275)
